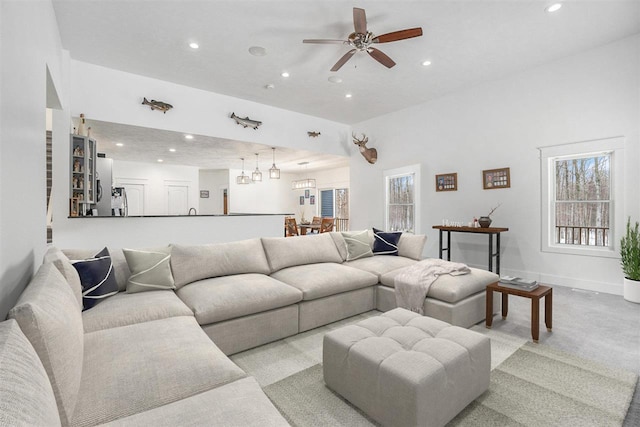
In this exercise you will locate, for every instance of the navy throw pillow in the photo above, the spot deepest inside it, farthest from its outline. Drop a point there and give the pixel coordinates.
(385, 243)
(97, 278)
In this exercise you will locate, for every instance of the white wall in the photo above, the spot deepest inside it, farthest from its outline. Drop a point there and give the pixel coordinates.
(331, 178)
(130, 232)
(266, 197)
(500, 124)
(215, 181)
(155, 177)
(30, 45)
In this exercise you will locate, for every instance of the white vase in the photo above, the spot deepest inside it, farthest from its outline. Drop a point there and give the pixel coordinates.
(632, 290)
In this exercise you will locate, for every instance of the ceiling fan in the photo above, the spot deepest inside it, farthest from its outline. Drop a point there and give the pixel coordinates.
(362, 39)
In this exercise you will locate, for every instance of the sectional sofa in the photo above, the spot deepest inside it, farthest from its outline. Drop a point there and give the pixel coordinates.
(160, 357)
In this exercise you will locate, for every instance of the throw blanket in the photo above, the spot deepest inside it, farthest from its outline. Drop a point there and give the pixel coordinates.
(413, 282)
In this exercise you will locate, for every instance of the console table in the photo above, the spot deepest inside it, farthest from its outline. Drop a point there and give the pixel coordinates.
(490, 231)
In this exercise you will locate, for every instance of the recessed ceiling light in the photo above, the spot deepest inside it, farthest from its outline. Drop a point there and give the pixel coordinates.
(188, 137)
(194, 45)
(119, 144)
(426, 63)
(173, 150)
(335, 79)
(554, 7)
(348, 95)
(160, 160)
(269, 86)
(285, 74)
(257, 51)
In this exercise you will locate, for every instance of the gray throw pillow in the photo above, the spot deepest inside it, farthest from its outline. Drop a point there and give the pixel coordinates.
(150, 269)
(357, 245)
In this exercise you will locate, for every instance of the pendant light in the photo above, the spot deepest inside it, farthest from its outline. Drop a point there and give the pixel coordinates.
(243, 179)
(303, 184)
(274, 172)
(256, 176)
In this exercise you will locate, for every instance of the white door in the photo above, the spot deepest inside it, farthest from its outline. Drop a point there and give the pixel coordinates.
(135, 199)
(177, 199)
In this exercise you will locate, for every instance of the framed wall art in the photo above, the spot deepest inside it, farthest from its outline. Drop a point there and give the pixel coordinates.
(301, 200)
(447, 182)
(306, 194)
(496, 178)
(312, 200)
(204, 194)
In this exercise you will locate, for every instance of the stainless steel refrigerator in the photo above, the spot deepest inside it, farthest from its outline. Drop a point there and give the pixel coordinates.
(105, 178)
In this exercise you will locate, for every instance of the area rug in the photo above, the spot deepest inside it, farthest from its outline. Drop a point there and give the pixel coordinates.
(535, 386)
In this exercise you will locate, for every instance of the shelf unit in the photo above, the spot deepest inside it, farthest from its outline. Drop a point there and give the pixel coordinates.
(82, 181)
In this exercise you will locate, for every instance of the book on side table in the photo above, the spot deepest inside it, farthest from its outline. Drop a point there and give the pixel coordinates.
(518, 283)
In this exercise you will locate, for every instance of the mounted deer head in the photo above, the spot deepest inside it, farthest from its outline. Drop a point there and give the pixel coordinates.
(371, 154)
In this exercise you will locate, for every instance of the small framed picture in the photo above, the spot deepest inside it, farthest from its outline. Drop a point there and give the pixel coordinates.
(306, 194)
(447, 182)
(204, 194)
(312, 200)
(301, 200)
(496, 178)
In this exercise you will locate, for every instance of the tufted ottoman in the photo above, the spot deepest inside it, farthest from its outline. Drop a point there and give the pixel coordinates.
(403, 369)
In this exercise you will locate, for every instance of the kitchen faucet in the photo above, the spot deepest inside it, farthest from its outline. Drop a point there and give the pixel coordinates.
(195, 212)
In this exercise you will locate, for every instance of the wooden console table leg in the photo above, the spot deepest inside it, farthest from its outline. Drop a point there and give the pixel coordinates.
(535, 318)
(548, 310)
(505, 305)
(489, 311)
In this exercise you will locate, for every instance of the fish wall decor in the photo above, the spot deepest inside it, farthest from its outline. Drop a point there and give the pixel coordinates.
(313, 134)
(157, 105)
(246, 122)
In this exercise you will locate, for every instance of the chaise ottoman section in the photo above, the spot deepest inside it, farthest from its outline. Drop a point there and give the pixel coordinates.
(404, 369)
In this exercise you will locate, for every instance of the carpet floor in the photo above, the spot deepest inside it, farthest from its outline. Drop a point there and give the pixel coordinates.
(534, 386)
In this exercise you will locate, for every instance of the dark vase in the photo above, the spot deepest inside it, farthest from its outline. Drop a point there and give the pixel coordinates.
(484, 221)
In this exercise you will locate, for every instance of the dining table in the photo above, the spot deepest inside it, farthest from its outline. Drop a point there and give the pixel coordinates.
(305, 228)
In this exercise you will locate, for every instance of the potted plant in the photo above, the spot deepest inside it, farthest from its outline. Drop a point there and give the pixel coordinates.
(630, 260)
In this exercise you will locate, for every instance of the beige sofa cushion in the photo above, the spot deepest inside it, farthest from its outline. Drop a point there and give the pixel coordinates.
(240, 403)
(139, 367)
(380, 264)
(128, 309)
(26, 396)
(411, 245)
(324, 279)
(283, 252)
(49, 316)
(62, 263)
(450, 288)
(229, 297)
(197, 262)
(150, 269)
(119, 262)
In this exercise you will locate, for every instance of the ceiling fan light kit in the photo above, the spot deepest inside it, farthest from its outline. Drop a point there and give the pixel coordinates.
(362, 39)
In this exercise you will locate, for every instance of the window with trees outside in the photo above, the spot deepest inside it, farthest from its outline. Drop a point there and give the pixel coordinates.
(582, 200)
(402, 199)
(579, 182)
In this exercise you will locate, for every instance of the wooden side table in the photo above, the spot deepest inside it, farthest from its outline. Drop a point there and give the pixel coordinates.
(534, 296)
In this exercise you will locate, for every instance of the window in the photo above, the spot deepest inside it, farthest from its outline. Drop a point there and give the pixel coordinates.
(335, 203)
(580, 198)
(326, 203)
(401, 189)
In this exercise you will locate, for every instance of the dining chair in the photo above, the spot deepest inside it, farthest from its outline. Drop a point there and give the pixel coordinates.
(316, 222)
(291, 228)
(326, 225)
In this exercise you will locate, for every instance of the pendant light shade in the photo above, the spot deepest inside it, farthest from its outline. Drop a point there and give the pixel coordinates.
(274, 172)
(303, 184)
(256, 176)
(243, 179)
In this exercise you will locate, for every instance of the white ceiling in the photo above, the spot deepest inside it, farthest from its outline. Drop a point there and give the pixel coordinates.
(468, 42)
(148, 145)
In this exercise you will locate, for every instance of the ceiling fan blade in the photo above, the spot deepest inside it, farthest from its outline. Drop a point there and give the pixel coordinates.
(325, 41)
(398, 35)
(359, 20)
(347, 56)
(381, 57)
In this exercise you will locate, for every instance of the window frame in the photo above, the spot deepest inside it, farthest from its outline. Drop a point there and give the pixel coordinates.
(398, 172)
(614, 147)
